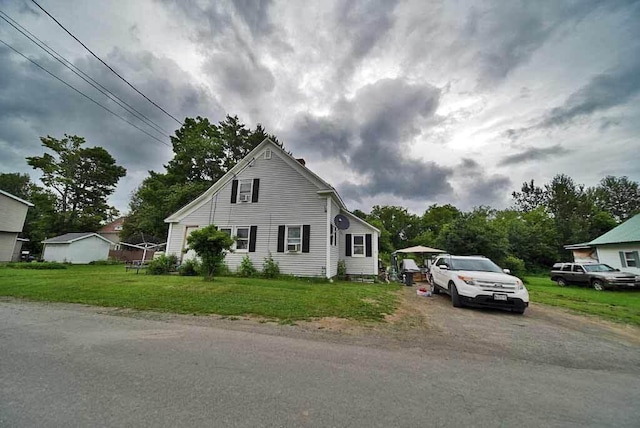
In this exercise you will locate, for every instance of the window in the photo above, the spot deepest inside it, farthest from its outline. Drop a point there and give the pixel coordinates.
(118, 228)
(267, 154)
(358, 245)
(578, 268)
(242, 239)
(226, 230)
(566, 268)
(630, 258)
(244, 190)
(294, 239)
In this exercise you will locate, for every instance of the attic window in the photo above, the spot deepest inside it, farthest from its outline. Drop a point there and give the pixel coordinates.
(267, 154)
(117, 228)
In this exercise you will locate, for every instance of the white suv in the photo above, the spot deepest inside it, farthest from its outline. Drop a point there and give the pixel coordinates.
(477, 281)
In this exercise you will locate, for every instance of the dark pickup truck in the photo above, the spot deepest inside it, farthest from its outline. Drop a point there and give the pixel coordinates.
(597, 275)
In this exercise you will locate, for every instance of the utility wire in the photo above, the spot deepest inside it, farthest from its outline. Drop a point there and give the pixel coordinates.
(105, 64)
(62, 60)
(81, 93)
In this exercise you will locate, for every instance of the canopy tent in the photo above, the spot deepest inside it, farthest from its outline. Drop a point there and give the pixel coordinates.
(420, 249)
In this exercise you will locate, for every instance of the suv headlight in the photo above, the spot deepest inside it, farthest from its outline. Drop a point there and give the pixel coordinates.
(467, 279)
(519, 285)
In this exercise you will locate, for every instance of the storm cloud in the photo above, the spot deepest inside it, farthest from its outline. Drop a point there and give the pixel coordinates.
(395, 102)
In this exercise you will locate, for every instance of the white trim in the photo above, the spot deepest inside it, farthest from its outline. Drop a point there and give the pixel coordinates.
(286, 238)
(364, 245)
(166, 250)
(9, 195)
(235, 242)
(374, 251)
(328, 241)
(88, 235)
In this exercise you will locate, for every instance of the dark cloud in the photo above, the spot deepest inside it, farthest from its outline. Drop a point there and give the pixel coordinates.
(533, 154)
(370, 132)
(362, 25)
(33, 104)
(497, 38)
(615, 87)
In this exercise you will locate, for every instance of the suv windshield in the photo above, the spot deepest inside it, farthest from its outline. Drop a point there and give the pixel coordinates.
(481, 265)
(598, 268)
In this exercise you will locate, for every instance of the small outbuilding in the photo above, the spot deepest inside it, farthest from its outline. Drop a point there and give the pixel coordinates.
(76, 248)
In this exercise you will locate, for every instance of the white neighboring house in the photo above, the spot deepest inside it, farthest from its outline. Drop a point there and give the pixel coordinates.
(272, 203)
(619, 247)
(76, 248)
(13, 212)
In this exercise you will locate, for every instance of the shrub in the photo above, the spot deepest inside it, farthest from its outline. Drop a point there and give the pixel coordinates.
(270, 268)
(37, 265)
(342, 269)
(162, 265)
(246, 267)
(210, 244)
(515, 265)
(190, 268)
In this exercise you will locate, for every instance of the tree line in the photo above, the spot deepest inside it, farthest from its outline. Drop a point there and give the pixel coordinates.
(77, 181)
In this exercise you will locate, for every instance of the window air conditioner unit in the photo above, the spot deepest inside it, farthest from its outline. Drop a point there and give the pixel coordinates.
(293, 248)
(245, 198)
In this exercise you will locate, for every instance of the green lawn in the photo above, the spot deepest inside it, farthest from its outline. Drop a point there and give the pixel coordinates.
(286, 300)
(614, 305)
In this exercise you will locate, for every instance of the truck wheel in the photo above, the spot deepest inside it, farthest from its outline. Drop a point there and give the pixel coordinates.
(597, 285)
(561, 282)
(455, 297)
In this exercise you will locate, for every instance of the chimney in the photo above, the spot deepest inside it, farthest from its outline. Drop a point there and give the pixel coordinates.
(302, 162)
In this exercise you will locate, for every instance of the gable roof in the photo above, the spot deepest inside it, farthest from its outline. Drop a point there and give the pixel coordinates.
(68, 238)
(9, 195)
(323, 186)
(111, 227)
(629, 231)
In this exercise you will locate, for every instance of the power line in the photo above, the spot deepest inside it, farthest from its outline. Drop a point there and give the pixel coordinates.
(105, 64)
(81, 93)
(84, 76)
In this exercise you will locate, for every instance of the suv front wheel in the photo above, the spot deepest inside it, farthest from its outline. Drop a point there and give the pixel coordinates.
(455, 297)
(561, 282)
(597, 285)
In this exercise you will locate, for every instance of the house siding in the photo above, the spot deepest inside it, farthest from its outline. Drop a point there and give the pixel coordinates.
(610, 254)
(285, 198)
(359, 265)
(12, 214)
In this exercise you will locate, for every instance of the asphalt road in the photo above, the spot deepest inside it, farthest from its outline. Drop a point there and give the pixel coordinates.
(64, 366)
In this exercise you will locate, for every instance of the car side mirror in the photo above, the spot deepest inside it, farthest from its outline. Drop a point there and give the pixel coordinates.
(506, 270)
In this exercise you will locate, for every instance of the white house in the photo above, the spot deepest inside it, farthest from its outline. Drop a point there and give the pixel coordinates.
(272, 203)
(619, 247)
(13, 212)
(76, 248)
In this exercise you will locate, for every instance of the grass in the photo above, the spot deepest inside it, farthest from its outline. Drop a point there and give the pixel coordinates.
(615, 305)
(285, 300)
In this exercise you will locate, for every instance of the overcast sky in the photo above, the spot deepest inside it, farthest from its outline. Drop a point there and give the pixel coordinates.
(393, 102)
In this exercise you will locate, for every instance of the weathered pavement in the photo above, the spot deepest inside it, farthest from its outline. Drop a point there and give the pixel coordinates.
(66, 365)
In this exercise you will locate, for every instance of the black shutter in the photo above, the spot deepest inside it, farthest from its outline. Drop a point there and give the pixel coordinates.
(281, 239)
(347, 244)
(623, 259)
(306, 233)
(368, 244)
(256, 187)
(252, 238)
(234, 191)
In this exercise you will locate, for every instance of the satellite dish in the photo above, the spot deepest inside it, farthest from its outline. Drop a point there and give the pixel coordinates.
(341, 222)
